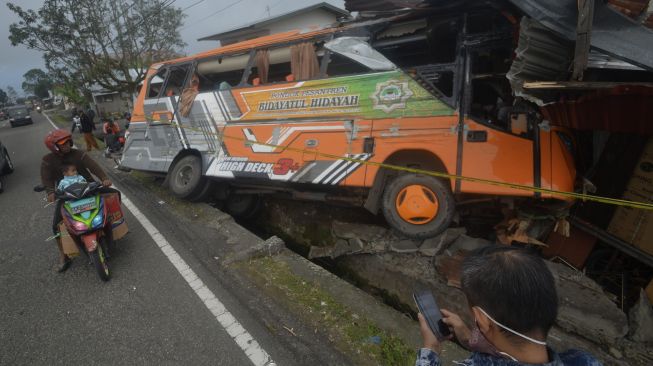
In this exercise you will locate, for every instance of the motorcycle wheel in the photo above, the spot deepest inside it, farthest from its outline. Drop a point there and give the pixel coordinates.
(100, 261)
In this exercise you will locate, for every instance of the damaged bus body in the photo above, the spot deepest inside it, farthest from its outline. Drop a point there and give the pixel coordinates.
(314, 113)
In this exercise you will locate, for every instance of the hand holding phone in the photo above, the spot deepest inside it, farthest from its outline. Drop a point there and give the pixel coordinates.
(429, 309)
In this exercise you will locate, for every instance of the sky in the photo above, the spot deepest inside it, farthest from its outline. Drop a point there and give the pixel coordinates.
(199, 22)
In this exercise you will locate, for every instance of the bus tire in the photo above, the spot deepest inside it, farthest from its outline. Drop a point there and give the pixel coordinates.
(418, 206)
(243, 206)
(203, 193)
(186, 179)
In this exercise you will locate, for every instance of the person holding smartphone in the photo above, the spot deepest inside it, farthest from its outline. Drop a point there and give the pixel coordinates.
(514, 303)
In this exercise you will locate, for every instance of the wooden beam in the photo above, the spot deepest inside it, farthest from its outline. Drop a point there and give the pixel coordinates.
(583, 35)
(580, 85)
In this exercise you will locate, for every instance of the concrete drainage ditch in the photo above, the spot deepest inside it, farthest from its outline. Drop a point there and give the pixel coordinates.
(355, 246)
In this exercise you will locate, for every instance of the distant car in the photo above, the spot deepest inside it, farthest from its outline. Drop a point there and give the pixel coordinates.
(6, 166)
(19, 116)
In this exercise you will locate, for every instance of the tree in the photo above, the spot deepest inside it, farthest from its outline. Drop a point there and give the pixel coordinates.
(11, 93)
(72, 92)
(3, 97)
(37, 82)
(99, 41)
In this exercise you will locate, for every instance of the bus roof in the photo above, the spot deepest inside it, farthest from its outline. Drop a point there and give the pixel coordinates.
(293, 35)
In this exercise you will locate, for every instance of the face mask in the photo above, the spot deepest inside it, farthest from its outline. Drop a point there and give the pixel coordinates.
(479, 343)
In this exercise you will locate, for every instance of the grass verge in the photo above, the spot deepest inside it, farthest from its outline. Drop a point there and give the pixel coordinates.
(353, 334)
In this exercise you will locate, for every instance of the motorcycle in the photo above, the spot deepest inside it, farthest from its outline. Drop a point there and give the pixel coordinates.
(91, 219)
(38, 108)
(78, 123)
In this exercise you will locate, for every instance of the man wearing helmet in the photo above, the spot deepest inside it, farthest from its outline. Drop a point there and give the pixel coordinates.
(60, 143)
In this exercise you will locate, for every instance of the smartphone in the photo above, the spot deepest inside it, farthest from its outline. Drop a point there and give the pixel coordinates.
(426, 304)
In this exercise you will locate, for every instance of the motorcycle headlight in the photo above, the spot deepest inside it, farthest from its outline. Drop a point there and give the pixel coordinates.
(97, 220)
(79, 226)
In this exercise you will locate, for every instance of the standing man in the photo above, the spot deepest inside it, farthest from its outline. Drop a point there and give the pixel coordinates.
(91, 113)
(87, 129)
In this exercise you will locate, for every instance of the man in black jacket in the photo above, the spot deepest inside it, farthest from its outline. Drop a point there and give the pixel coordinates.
(87, 129)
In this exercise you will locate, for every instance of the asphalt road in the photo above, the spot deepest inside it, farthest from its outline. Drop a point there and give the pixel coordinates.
(146, 314)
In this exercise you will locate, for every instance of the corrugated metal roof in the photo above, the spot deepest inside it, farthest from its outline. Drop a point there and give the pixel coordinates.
(381, 5)
(641, 10)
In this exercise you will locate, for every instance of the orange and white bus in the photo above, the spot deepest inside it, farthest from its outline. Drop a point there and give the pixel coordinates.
(304, 112)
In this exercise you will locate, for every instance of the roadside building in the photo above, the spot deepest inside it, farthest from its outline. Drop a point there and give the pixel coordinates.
(315, 16)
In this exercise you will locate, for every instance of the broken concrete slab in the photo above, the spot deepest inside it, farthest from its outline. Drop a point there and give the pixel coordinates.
(436, 245)
(640, 319)
(319, 252)
(466, 243)
(344, 247)
(356, 245)
(272, 246)
(584, 309)
(364, 232)
(405, 246)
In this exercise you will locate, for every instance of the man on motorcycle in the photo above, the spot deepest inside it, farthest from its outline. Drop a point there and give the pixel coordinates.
(61, 144)
(111, 132)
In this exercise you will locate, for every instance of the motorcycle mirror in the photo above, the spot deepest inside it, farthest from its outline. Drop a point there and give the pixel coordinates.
(39, 188)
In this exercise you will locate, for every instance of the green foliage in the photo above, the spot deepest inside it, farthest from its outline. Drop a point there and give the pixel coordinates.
(89, 42)
(37, 82)
(3, 97)
(71, 91)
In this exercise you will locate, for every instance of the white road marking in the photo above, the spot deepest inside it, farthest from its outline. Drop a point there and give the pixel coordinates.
(49, 120)
(240, 335)
(243, 339)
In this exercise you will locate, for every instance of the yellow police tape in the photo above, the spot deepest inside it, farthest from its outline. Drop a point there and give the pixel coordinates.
(562, 194)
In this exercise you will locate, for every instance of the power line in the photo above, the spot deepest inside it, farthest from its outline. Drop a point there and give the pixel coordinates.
(212, 14)
(190, 6)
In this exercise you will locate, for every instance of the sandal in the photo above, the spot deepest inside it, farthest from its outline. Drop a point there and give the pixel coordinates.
(65, 265)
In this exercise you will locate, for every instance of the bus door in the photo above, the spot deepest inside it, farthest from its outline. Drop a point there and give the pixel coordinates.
(154, 145)
(499, 143)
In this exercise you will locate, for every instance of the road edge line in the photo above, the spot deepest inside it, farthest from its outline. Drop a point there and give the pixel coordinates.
(240, 335)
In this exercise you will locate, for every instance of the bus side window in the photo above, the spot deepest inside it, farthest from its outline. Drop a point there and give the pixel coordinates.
(221, 73)
(156, 83)
(492, 97)
(176, 81)
(270, 66)
(340, 65)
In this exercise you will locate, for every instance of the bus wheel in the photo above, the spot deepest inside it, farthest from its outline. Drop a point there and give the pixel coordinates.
(418, 206)
(186, 179)
(244, 206)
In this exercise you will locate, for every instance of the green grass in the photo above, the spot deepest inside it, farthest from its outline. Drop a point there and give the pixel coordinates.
(350, 332)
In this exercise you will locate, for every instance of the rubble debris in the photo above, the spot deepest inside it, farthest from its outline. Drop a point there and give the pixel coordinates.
(344, 246)
(319, 252)
(584, 309)
(449, 267)
(640, 319)
(272, 246)
(347, 230)
(574, 249)
(515, 229)
(436, 245)
(467, 244)
(404, 246)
